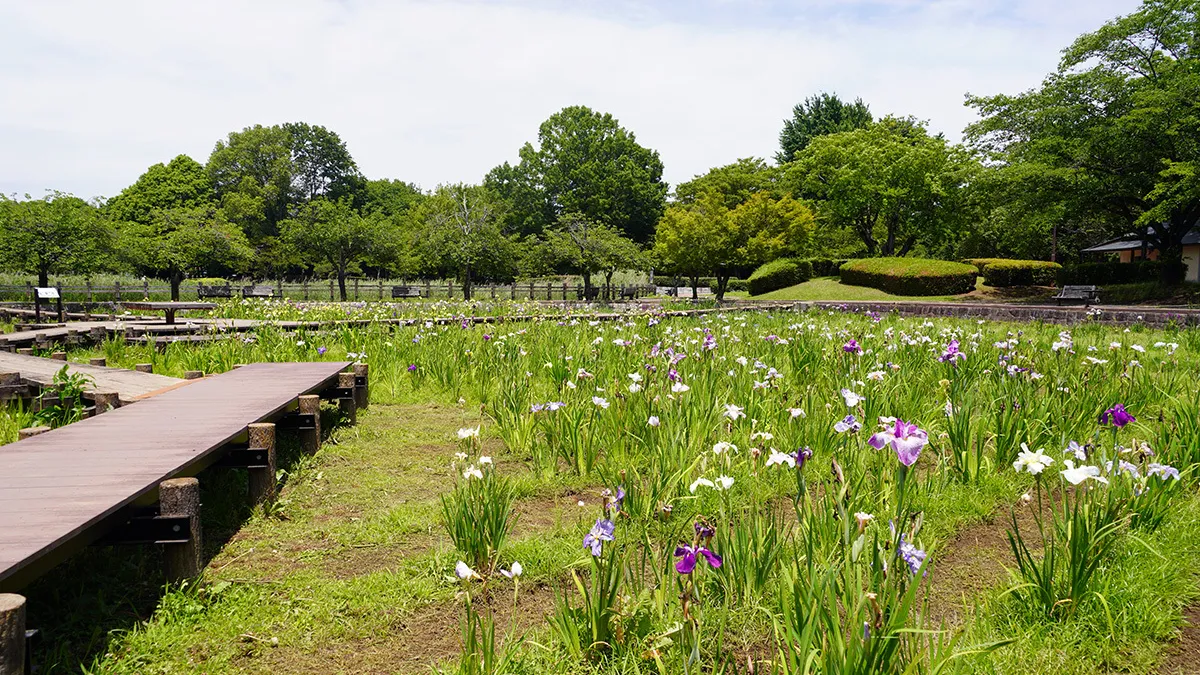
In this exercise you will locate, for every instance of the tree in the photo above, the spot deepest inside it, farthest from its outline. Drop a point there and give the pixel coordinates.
(818, 116)
(1114, 133)
(252, 174)
(891, 183)
(182, 182)
(589, 248)
(735, 182)
(321, 163)
(333, 233)
(461, 228)
(184, 241)
(690, 238)
(585, 163)
(765, 228)
(57, 234)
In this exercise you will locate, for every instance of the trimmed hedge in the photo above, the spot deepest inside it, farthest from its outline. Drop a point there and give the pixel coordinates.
(1004, 273)
(982, 263)
(827, 267)
(731, 285)
(779, 274)
(911, 276)
(1102, 273)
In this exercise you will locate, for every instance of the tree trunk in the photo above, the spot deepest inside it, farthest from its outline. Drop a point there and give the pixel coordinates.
(907, 246)
(43, 278)
(176, 279)
(722, 281)
(587, 285)
(467, 282)
(695, 283)
(341, 275)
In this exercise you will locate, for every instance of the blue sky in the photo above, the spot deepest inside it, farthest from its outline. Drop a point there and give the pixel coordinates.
(91, 94)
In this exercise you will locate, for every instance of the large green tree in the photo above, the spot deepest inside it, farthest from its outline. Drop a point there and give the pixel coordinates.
(460, 229)
(1114, 134)
(891, 183)
(333, 233)
(58, 234)
(819, 115)
(182, 182)
(735, 182)
(184, 241)
(588, 248)
(585, 163)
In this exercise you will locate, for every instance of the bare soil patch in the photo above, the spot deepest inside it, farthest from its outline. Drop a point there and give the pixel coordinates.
(1183, 656)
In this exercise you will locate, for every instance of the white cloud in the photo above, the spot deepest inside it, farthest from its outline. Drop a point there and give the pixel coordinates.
(93, 93)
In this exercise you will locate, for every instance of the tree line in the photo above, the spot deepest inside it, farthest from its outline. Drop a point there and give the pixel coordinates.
(1106, 145)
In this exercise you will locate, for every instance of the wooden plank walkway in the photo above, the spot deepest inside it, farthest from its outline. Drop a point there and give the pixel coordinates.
(129, 385)
(62, 490)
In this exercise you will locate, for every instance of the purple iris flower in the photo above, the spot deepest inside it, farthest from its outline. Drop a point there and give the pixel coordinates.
(852, 347)
(704, 532)
(906, 439)
(912, 555)
(1118, 415)
(710, 341)
(673, 375)
(537, 408)
(1163, 471)
(486, 337)
(601, 532)
(848, 424)
(655, 349)
(802, 455)
(412, 367)
(952, 354)
(688, 557)
(613, 502)
(321, 351)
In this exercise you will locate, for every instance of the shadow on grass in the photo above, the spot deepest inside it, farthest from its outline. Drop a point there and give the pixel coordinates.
(106, 590)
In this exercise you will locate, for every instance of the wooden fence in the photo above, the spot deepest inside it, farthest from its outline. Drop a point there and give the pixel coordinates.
(356, 290)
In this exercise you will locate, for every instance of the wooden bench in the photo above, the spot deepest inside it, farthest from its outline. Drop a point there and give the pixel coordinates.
(405, 292)
(258, 291)
(1085, 295)
(203, 292)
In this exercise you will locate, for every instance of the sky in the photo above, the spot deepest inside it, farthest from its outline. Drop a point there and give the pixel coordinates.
(429, 92)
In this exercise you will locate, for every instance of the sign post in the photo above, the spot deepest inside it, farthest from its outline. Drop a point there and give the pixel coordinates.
(46, 294)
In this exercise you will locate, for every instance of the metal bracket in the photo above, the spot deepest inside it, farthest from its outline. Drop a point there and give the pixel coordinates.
(296, 421)
(150, 529)
(337, 393)
(360, 380)
(242, 457)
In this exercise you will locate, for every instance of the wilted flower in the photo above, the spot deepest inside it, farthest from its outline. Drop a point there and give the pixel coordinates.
(1117, 415)
(690, 555)
(601, 532)
(862, 519)
(906, 439)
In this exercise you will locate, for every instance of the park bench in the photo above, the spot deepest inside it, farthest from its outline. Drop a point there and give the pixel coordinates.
(203, 292)
(258, 291)
(405, 292)
(1077, 294)
(629, 292)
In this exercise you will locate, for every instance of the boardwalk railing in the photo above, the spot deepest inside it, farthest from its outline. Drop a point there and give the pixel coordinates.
(356, 290)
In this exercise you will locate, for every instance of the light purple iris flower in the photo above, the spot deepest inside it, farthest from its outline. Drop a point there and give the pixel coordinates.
(1118, 415)
(906, 439)
(601, 532)
(690, 555)
(952, 354)
(912, 555)
(848, 424)
(321, 351)
(852, 347)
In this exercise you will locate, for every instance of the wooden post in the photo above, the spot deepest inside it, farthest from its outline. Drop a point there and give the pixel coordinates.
(356, 289)
(362, 390)
(98, 334)
(58, 356)
(449, 290)
(181, 497)
(106, 400)
(117, 290)
(304, 285)
(30, 432)
(331, 290)
(262, 480)
(346, 405)
(144, 367)
(12, 634)
(426, 288)
(87, 309)
(513, 289)
(145, 289)
(310, 439)
(381, 290)
(279, 287)
(193, 374)
(101, 361)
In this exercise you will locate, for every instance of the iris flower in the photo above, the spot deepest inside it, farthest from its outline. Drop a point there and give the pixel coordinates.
(951, 354)
(1031, 462)
(852, 399)
(690, 555)
(1117, 415)
(906, 439)
(1162, 471)
(1077, 474)
(733, 412)
(852, 347)
(601, 532)
(848, 424)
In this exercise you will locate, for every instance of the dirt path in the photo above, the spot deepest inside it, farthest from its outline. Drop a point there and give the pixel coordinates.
(1183, 656)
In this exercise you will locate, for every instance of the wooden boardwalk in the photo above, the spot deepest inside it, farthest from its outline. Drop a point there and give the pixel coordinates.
(129, 385)
(63, 490)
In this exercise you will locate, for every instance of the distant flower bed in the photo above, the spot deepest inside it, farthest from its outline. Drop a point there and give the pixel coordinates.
(910, 276)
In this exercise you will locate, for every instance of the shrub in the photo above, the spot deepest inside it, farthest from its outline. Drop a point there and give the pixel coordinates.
(910, 276)
(826, 267)
(1002, 273)
(981, 263)
(1100, 273)
(731, 285)
(779, 274)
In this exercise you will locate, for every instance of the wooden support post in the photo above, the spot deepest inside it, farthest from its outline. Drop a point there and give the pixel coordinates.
(262, 480)
(346, 405)
(12, 634)
(106, 400)
(362, 391)
(144, 367)
(331, 290)
(193, 374)
(40, 340)
(98, 333)
(100, 361)
(356, 289)
(310, 439)
(30, 431)
(181, 497)
(59, 356)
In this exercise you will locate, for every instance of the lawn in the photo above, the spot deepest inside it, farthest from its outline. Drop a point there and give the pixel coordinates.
(610, 454)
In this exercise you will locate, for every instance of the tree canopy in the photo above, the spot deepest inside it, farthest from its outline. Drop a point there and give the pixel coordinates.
(819, 115)
(59, 233)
